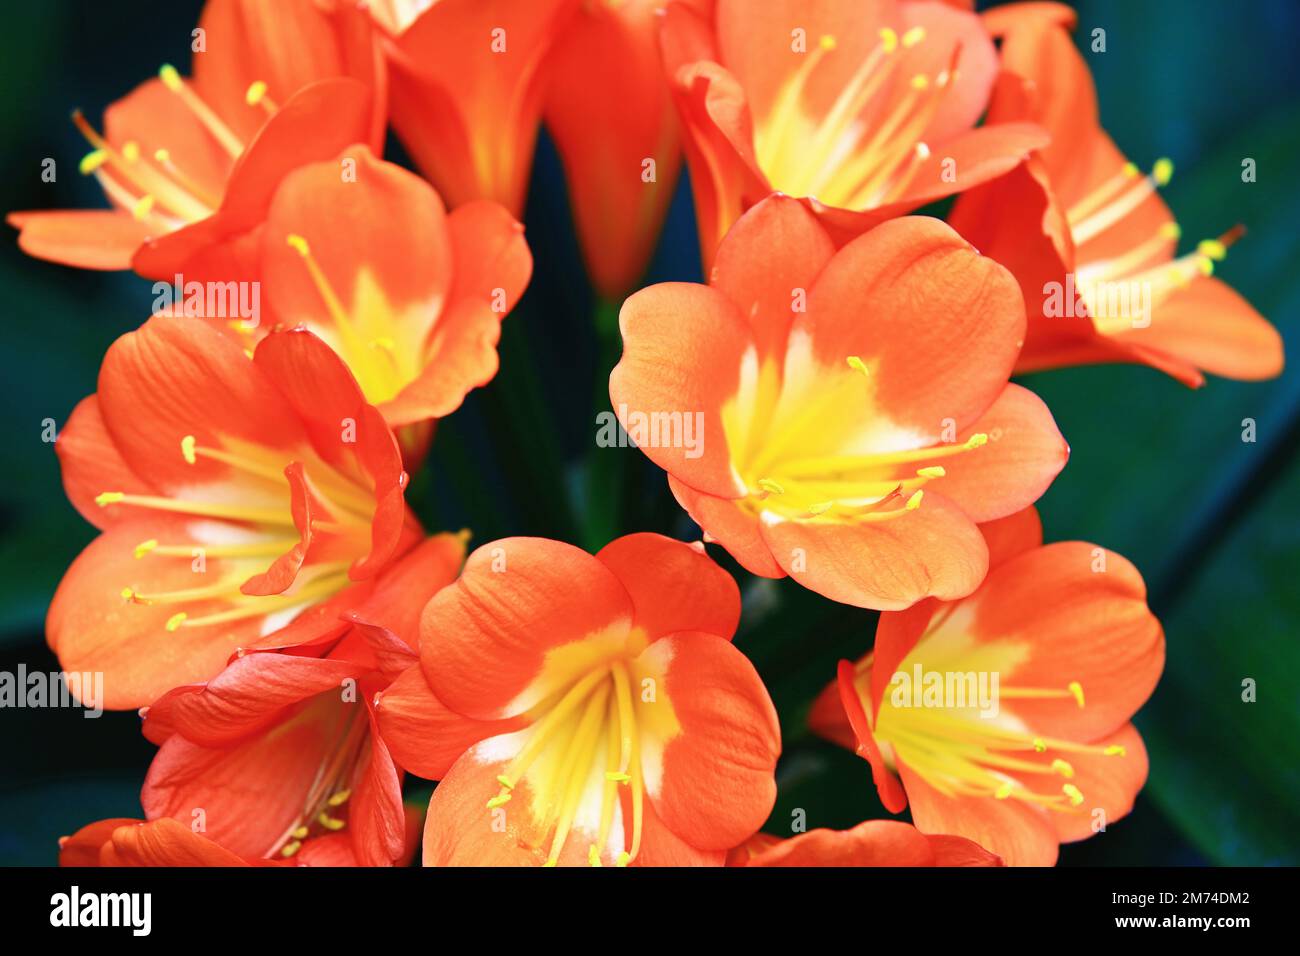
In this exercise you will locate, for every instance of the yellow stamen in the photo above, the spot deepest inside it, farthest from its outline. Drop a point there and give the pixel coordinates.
(92, 161)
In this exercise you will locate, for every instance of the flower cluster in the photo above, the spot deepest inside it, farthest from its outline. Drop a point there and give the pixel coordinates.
(296, 642)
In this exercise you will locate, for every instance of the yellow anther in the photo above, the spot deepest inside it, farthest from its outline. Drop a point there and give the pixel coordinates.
(821, 507)
(171, 79)
(771, 487)
(256, 90)
(92, 161)
(291, 848)
(1115, 750)
(624, 859)
(1076, 690)
(143, 206)
(1163, 171)
(977, 440)
(827, 42)
(1040, 745)
(339, 798)
(550, 863)
(1171, 230)
(299, 244)
(501, 799)
(616, 776)
(914, 36)
(329, 822)
(109, 498)
(1063, 768)
(127, 594)
(1071, 791)
(176, 620)
(187, 449)
(1213, 248)
(920, 81)
(1003, 791)
(505, 781)
(301, 833)
(888, 39)
(1206, 265)
(933, 471)
(914, 502)
(131, 151)
(1131, 170)
(162, 155)
(593, 855)
(144, 547)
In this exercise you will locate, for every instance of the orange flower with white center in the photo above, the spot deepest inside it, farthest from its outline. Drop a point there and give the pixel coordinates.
(864, 109)
(1004, 717)
(467, 84)
(410, 297)
(584, 710)
(849, 414)
(190, 164)
(1089, 238)
(233, 495)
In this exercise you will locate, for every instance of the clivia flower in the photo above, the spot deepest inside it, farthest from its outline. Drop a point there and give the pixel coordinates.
(1088, 236)
(855, 415)
(610, 111)
(866, 109)
(410, 296)
(189, 165)
(871, 843)
(233, 494)
(124, 842)
(1051, 756)
(585, 710)
(280, 750)
(467, 85)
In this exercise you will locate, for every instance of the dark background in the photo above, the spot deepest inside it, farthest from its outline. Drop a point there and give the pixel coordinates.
(1158, 472)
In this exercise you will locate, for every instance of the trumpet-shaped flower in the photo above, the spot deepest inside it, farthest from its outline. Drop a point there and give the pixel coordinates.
(1089, 237)
(281, 749)
(849, 414)
(233, 494)
(864, 108)
(871, 843)
(612, 116)
(585, 710)
(1004, 717)
(409, 296)
(189, 165)
(467, 86)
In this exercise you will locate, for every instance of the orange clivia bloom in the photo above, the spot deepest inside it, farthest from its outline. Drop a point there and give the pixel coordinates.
(467, 87)
(189, 165)
(232, 493)
(847, 416)
(280, 750)
(871, 843)
(337, 255)
(585, 710)
(610, 110)
(864, 108)
(124, 842)
(1090, 239)
(1045, 754)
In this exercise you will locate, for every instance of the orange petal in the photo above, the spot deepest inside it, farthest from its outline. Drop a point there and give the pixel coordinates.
(91, 463)
(673, 586)
(485, 639)
(682, 350)
(716, 785)
(730, 524)
(87, 239)
(885, 565)
(165, 843)
(1013, 535)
